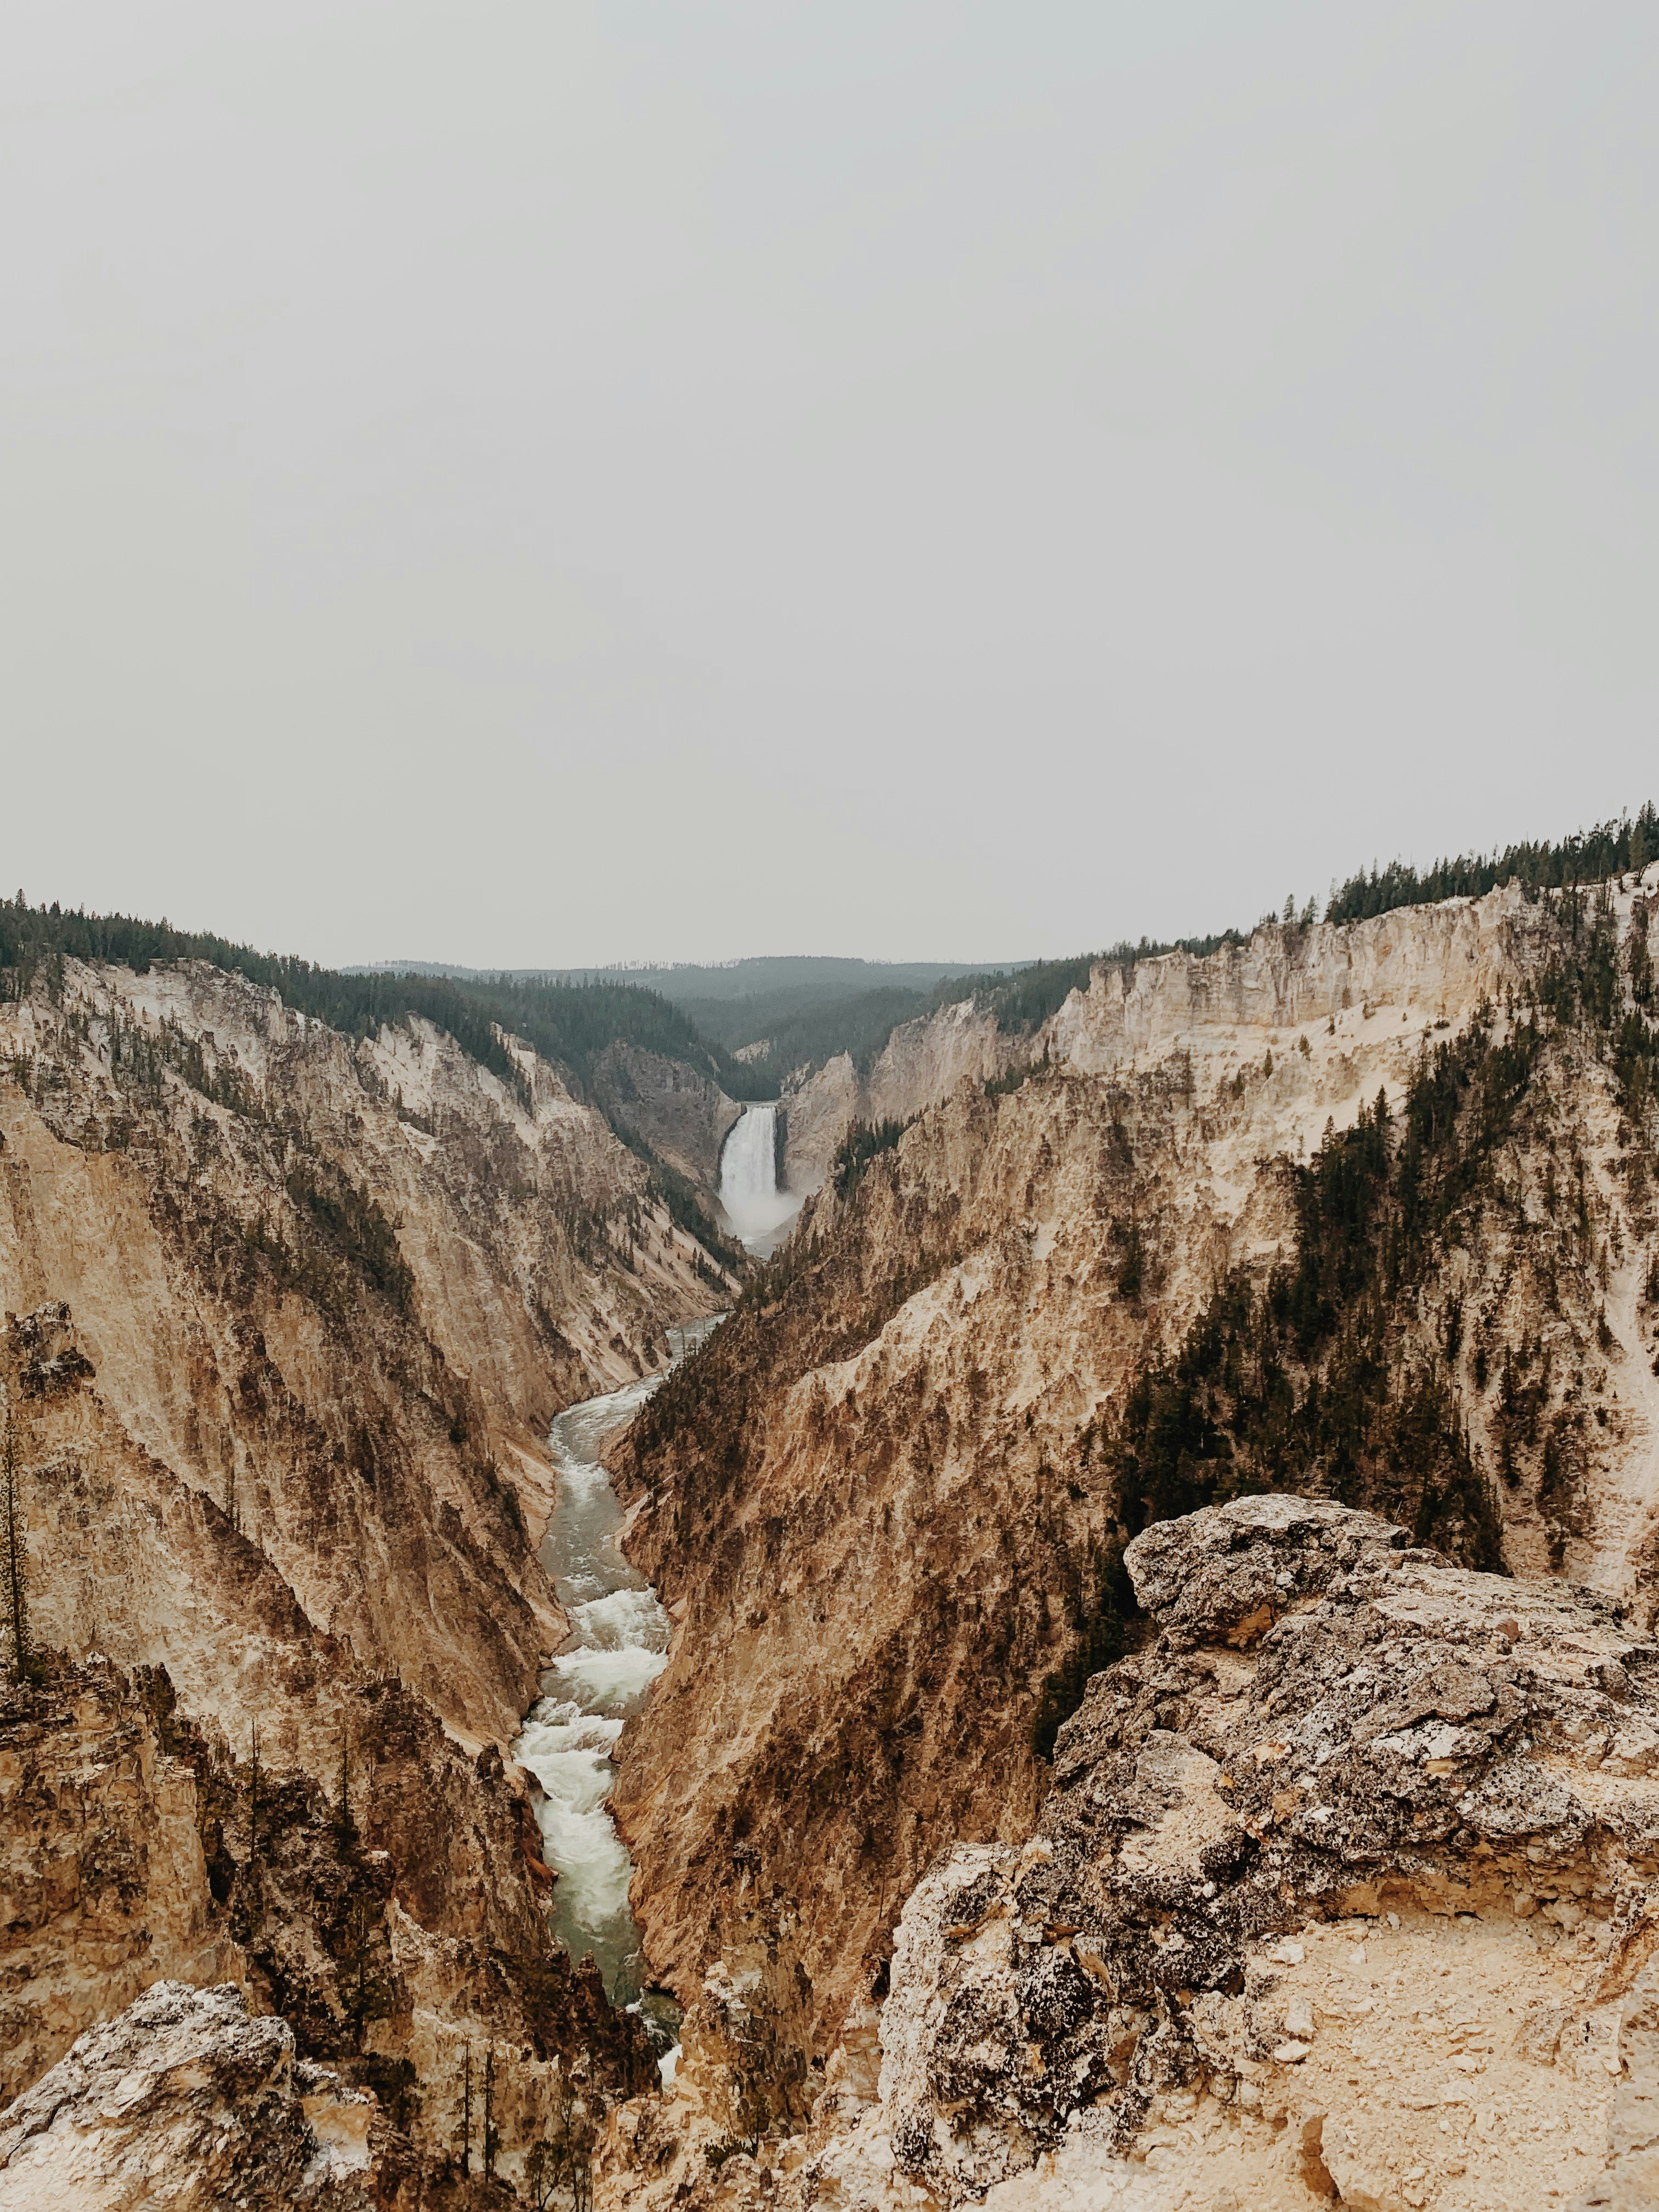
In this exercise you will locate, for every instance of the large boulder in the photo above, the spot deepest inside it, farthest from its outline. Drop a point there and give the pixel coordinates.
(186, 2101)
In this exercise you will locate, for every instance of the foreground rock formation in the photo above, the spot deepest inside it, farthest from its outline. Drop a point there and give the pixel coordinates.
(1181, 1251)
(184, 2100)
(1346, 1890)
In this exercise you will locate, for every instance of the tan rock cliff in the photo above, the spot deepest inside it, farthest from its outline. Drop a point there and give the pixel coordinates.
(288, 1314)
(879, 1504)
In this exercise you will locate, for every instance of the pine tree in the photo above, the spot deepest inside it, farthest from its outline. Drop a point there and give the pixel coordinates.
(492, 2142)
(466, 2113)
(26, 1664)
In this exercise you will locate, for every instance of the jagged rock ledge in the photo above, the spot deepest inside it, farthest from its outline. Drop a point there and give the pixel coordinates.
(1344, 1890)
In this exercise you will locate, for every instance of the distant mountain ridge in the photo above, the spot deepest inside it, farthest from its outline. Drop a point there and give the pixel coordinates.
(825, 974)
(783, 1013)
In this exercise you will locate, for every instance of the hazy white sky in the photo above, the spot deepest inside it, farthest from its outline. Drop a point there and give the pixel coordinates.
(556, 483)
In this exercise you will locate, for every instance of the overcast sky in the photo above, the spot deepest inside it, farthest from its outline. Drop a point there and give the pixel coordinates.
(551, 483)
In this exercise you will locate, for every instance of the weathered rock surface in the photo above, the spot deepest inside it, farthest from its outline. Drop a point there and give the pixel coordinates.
(1438, 961)
(185, 2101)
(103, 1881)
(1452, 1772)
(405, 1943)
(1346, 1890)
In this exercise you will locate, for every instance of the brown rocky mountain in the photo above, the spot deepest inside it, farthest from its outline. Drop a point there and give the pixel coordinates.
(288, 1316)
(1186, 1255)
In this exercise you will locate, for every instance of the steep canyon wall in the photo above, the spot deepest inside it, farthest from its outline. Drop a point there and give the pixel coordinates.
(884, 1506)
(288, 1316)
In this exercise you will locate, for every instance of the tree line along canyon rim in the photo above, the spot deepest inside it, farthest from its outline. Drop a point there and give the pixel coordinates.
(1032, 1588)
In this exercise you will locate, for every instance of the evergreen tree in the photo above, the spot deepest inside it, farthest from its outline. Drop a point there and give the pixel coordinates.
(26, 1664)
(466, 2112)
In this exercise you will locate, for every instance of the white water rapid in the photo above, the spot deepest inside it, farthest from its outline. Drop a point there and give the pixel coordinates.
(755, 1207)
(617, 1647)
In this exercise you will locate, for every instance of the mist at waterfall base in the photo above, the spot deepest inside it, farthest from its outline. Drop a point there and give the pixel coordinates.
(617, 1647)
(757, 1210)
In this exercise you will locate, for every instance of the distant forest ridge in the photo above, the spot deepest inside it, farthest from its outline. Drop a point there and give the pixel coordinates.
(804, 976)
(1611, 848)
(749, 1024)
(782, 1012)
(569, 1025)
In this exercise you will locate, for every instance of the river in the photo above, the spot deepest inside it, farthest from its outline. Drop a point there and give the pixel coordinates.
(618, 1640)
(617, 1647)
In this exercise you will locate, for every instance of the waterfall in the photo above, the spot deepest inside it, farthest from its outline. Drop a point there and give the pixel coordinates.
(755, 1207)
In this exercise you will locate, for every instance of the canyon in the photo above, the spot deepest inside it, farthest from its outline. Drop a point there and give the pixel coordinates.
(1134, 1633)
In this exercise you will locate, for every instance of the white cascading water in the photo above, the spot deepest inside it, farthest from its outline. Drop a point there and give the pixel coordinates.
(754, 1205)
(617, 1647)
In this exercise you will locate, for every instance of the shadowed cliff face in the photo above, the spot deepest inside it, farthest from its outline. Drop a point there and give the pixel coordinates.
(681, 1113)
(884, 1505)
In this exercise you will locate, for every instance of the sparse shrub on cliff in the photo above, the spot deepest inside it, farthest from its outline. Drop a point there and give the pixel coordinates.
(1105, 1629)
(1011, 1079)
(864, 1142)
(559, 2170)
(1317, 1379)
(1303, 1383)
(26, 1664)
(686, 1210)
(352, 1222)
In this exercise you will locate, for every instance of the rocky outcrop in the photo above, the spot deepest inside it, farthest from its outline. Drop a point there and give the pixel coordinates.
(399, 1933)
(1346, 1890)
(1356, 1818)
(885, 1504)
(184, 2100)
